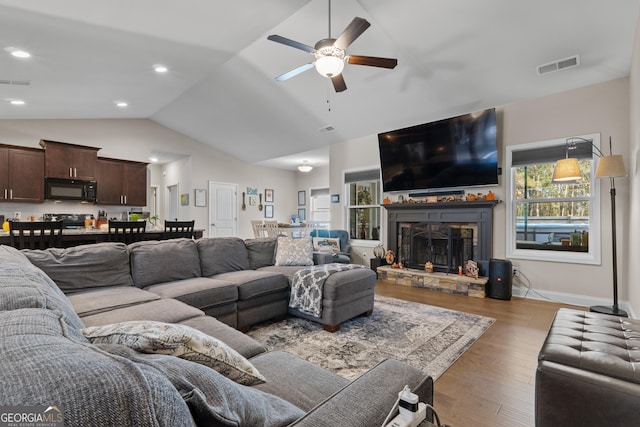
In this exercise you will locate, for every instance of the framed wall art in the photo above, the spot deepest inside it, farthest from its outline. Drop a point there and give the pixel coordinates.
(268, 211)
(302, 198)
(200, 197)
(184, 199)
(268, 195)
(302, 214)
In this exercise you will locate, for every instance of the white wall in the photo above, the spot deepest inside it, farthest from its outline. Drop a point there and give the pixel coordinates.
(600, 108)
(135, 139)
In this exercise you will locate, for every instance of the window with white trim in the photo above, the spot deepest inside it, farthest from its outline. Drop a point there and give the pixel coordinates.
(552, 221)
(363, 192)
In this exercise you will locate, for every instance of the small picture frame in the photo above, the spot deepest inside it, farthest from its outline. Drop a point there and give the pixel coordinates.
(302, 214)
(268, 211)
(335, 198)
(200, 197)
(268, 195)
(184, 199)
(302, 198)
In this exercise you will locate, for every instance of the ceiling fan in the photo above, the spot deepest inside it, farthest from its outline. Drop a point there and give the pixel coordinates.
(331, 54)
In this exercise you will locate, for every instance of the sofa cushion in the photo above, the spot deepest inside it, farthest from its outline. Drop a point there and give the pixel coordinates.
(222, 254)
(84, 267)
(100, 300)
(252, 283)
(42, 363)
(242, 343)
(291, 251)
(313, 384)
(200, 292)
(158, 261)
(213, 399)
(162, 310)
(326, 244)
(180, 341)
(261, 251)
(23, 285)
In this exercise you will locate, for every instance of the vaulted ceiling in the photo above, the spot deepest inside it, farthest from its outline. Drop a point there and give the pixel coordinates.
(454, 57)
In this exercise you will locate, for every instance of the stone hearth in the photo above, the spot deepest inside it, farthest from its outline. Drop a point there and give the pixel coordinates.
(449, 283)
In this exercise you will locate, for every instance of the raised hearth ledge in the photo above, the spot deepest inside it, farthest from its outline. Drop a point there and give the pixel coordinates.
(449, 283)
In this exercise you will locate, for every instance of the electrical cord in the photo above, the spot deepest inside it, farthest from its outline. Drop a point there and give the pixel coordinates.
(518, 280)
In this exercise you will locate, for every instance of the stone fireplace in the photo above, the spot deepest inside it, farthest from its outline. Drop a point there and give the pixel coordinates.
(447, 234)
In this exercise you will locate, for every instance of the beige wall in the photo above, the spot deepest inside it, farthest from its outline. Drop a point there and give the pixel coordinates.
(135, 139)
(599, 108)
(632, 247)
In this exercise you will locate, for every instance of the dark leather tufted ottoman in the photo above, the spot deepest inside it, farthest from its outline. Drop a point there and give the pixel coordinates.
(589, 371)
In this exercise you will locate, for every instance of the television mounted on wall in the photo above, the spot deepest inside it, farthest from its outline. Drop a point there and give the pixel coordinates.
(453, 153)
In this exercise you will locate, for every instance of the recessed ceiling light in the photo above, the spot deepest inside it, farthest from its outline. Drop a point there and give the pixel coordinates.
(121, 104)
(160, 68)
(18, 53)
(153, 159)
(17, 102)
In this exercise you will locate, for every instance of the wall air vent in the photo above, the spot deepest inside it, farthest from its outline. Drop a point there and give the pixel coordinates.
(15, 82)
(559, 65)
(327, 128)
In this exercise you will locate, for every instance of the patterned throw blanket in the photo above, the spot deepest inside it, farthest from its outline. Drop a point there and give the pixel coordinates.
(308, 284)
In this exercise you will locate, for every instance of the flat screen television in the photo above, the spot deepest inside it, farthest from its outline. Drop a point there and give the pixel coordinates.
(453, 153)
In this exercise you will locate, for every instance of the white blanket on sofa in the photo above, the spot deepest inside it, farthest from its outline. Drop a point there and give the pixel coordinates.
(308, 284)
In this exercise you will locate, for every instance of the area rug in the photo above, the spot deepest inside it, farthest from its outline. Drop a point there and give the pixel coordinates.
(426, 337)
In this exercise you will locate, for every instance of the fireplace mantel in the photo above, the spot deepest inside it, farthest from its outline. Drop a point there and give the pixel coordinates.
(479, 212)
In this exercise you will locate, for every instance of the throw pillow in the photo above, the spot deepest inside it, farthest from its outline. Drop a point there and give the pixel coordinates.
(326, 244)
(177, 340)
(294, 251)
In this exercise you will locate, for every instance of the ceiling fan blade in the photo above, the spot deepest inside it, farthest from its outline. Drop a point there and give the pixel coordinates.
(294, 72)
(338, 83)
(279, 39)
(352, 32)
(372, 61)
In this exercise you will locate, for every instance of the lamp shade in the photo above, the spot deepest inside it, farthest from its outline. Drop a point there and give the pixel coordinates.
(329, 66)
(610, 167)
(566, 170)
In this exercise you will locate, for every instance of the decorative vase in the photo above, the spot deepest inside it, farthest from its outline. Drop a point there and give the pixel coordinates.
(379, 251)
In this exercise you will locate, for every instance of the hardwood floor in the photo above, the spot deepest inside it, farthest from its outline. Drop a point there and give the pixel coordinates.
(492, 383)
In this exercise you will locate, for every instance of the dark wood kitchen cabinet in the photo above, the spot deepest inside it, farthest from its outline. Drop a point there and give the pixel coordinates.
(21, 174)
(64, 160)
(122, 182)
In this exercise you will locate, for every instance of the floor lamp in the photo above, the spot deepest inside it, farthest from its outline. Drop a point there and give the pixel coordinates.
(611, 166)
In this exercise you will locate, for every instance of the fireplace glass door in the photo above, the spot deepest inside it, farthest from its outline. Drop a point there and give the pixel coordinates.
(445, 245)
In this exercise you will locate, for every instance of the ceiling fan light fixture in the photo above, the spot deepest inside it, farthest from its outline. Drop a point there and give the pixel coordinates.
(329, 66)
(305, 167)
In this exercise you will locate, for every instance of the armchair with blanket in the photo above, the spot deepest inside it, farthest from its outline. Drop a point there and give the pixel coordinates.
(331, 246)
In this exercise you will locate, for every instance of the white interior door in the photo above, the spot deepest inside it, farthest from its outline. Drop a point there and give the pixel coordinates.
(223, 205)
(172, 202)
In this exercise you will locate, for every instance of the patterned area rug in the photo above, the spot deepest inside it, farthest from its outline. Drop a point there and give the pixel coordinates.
(429, 338)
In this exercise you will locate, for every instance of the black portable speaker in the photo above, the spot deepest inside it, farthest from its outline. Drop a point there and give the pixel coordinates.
(500, 279)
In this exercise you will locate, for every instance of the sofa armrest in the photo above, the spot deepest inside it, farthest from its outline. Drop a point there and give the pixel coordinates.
(368, 399)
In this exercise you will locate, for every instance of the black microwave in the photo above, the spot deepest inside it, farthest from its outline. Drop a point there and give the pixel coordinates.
(70, 189)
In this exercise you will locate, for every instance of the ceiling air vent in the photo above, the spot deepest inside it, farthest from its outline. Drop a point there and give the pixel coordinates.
(15, 82)
(327, 128)
(559, 65)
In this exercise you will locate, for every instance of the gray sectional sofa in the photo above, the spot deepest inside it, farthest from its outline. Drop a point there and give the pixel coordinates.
(48, 297)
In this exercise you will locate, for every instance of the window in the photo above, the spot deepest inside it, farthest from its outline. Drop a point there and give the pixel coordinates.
(319, 203)
(552, 221)
(363, 204)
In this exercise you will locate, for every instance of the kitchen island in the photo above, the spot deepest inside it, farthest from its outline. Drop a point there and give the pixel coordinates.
(84, 236)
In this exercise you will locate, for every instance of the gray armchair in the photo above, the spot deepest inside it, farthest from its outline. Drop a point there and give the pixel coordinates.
(327, 257)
